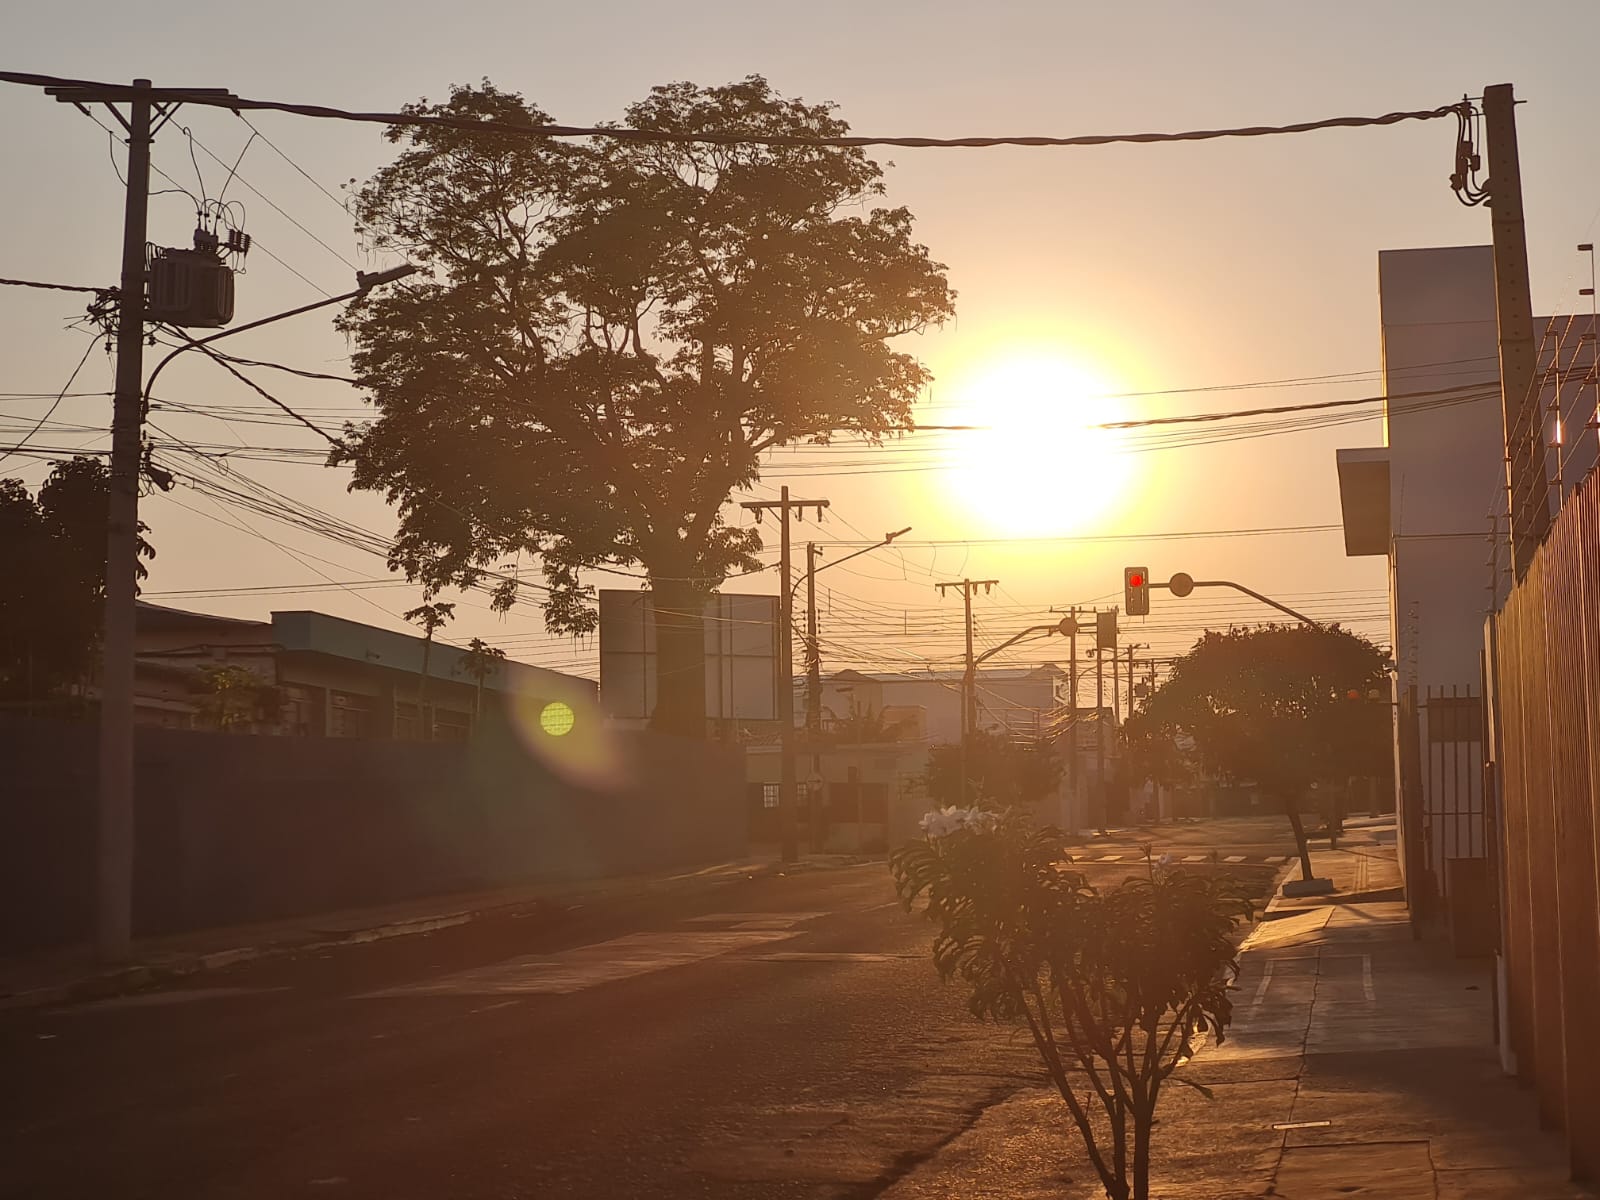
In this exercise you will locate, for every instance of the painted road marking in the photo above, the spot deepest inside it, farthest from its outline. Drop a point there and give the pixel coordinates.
(1109, 858)
(802, 956)
(588, 966)
(1234, 858)
(1366, 978)
(754, 920)
(162, 999)
(1266, 982)
(1195, 857)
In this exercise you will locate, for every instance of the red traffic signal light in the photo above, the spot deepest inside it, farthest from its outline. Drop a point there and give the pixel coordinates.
(1136, 591)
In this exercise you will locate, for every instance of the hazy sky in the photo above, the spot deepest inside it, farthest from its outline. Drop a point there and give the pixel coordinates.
(1116, 269)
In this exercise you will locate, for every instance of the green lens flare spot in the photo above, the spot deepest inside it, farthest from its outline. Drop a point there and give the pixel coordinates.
(557, 718)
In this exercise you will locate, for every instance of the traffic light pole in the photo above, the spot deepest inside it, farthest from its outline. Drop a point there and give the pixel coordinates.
(1182, 585)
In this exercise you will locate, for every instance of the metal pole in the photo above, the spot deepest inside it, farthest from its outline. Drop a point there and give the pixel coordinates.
(1072, 712)
(969, 698)
(813, 695)
(1099, 739)
(114, 910)
(786, 787)
(1526, 483)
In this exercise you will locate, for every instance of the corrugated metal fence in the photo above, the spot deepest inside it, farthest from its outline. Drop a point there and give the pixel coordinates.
(1545, 646)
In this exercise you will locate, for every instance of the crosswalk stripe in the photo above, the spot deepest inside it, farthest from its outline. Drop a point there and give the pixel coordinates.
(588, 966)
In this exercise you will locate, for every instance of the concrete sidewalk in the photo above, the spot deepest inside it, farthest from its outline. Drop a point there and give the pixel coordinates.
(1360, 1064)
(67, 974)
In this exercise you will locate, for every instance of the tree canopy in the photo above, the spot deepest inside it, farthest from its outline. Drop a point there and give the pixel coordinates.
(1273, 704)
(607, 335)
(1004, 773)
(1283, 706)
(52, 594)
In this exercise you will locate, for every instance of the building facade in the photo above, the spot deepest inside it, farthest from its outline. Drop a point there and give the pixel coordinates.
(311, 674)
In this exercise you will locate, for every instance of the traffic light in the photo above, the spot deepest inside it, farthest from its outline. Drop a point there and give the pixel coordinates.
(1105, 629)
(1136, 591)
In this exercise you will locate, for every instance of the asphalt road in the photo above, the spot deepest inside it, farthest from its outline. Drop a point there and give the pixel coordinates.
(774, 1037)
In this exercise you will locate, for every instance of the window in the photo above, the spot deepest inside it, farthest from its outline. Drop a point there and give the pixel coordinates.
(770, 793)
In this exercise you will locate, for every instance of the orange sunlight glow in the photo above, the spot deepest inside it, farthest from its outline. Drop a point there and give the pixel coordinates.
(1038, 466)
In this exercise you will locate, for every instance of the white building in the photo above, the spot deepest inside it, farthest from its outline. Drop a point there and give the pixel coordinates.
(1431, 501)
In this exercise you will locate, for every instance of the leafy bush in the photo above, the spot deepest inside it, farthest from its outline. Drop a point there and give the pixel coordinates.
(1114, 986)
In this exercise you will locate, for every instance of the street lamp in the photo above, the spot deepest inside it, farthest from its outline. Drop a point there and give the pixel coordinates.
(114, 885)
(814, 661)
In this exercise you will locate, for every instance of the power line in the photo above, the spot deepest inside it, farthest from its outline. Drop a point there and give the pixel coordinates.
(55, 287)
(54, 404)
(113, 91)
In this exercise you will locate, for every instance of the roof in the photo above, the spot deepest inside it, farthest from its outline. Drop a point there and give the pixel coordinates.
(159, 618)
(988, 674)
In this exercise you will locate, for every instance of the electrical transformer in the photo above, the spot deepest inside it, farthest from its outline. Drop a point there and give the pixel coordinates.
(189, 288)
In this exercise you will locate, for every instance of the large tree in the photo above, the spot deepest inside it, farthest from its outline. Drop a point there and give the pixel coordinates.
(607, 335)
(52, 594)
(1282, 706)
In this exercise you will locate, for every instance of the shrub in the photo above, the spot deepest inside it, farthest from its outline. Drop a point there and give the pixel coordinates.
(1113, 985)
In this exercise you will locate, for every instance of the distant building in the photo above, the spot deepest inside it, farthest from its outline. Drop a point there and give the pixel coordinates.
(311, 674)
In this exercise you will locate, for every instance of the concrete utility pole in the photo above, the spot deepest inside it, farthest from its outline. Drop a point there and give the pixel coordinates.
(1527, 487)
(787, 814)
(813, 692)
(969, 679)
(114, 908)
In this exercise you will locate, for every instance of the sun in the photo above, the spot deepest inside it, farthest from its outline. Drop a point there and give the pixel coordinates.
(1038, 462)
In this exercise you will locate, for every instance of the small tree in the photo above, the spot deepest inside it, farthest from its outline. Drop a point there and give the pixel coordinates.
(1272, 705)
(481, 661)
(431, 617)
(1112, 985)
(52, 590)
(234, 697)
(1005, 773)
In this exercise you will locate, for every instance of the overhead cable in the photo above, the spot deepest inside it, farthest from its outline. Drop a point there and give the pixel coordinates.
(114, 91)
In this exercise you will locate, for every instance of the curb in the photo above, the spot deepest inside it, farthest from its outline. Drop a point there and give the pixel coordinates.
(123, 980)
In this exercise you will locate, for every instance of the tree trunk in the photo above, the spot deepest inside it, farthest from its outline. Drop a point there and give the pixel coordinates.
(1141, 1156)
(680, 660)
(1292, 807)
(423, 731)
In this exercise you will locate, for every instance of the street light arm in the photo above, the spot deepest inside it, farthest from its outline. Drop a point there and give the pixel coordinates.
(365, 283)
(1012, 641)
(878, 546)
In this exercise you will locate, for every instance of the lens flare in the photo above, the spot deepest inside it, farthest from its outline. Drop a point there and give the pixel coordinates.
(557, 718)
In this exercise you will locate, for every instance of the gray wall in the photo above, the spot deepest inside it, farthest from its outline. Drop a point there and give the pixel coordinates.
(240, 828)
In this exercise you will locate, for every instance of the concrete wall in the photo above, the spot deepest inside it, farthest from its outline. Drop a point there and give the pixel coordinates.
(240, 828)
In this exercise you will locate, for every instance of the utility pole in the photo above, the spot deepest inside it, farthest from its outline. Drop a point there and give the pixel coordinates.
(1072, 708)
(1100, 739)
(969, 679)
(114, 908)
(1528, 501)
(813, 692)
(787, 814)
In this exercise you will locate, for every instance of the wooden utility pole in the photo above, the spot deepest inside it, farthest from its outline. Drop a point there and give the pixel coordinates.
(813, 696)
(1527, 488)
(787, 814)
(969, 678)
